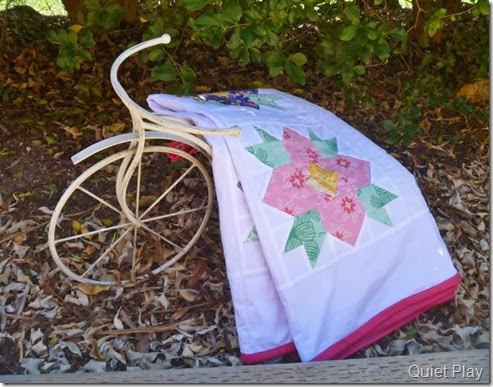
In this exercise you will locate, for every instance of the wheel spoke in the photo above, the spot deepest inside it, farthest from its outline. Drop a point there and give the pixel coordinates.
(128, 244)
(168, 190)
(160, 236)
(106, 252)
(134, 253)
(137, 195)
(98, 231)
(174, 214)
(100, 200)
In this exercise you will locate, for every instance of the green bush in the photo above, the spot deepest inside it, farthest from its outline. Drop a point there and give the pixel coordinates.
(339, 39)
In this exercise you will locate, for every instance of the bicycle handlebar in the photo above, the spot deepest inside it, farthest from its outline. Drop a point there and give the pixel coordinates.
(134, 107)
(164, 39)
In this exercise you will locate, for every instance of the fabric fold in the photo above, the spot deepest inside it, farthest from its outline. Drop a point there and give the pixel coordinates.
(328, 241)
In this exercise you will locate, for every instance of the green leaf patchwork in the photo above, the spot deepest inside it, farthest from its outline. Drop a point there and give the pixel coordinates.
(374, 198)
(270, 153)
(266, 137)
(252, 236)
(326, 148)
(308, 231)
(265, 100)
(313, 135)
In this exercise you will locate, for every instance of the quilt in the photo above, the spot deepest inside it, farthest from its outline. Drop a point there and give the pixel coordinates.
(328, 241)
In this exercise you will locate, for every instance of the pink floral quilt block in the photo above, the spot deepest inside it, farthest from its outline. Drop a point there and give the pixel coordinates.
(325, 191)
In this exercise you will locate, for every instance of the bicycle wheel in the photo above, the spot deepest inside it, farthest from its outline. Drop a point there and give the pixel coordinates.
(93, 241)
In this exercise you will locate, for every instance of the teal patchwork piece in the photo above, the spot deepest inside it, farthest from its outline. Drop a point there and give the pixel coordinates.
(266, 137)
(265, 100)
(271, 151)
(252, 236)
(307, 231)
(326, 148)
(374, 198)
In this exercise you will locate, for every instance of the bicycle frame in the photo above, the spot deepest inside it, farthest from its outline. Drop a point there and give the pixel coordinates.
(147, 125)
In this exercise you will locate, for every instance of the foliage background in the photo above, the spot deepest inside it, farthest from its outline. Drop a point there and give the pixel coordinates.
(434, 46)
(426, 103)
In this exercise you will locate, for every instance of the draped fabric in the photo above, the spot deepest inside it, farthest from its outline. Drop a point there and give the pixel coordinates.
(328, 241)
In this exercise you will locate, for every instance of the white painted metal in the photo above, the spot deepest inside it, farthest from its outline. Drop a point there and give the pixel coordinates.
(127, 137)
(146, 126)
(56, 244)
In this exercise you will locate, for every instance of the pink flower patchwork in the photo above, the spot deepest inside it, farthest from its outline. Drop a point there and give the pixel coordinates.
(319, 187)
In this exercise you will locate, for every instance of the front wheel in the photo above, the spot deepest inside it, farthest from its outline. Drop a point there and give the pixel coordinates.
(93, 241)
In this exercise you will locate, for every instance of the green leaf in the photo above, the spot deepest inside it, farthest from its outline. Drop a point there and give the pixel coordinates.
(116, 127)
(259, 30)
(388, 125)
(410, 333)
(232, 11)
(378, 2)
(245, 55)
(352, 13)
(411, 128)
(442, 12)
(85, 55)
(92, 5)
(275, 59)
(52, 37)
(361, 38)
(156, 54)
(394, 137)
(194, 5)
(484, 7)
(255, 54)
(382, 50)
(312, 14)
(373, 34)
(359, 69)
(398, 34)
(188, 74)
(348, 33)
(275, 71)
(432, 26)
(272, 38)
(50, 140)
(298, 58)
(246, 36)
(206, 22)
(53, 188)
(165, 72)
(295, 72)
(86, 40)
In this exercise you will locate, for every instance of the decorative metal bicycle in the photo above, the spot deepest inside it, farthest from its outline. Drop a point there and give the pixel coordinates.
(124, 218)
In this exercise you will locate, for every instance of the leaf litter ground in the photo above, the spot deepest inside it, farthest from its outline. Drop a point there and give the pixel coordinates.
(184, 317)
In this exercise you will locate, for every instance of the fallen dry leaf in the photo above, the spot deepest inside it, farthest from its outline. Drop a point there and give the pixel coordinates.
(91, 290)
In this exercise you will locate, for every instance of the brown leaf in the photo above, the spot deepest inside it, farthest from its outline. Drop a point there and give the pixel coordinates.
(20, 70)
(47, 287)
(20, 238)
(198, 270)
(92, 289)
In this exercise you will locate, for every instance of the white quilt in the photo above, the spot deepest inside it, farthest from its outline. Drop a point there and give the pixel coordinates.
(329, 243)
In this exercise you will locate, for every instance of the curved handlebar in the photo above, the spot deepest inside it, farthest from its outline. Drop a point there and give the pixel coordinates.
(164, 39)
(174, 123)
